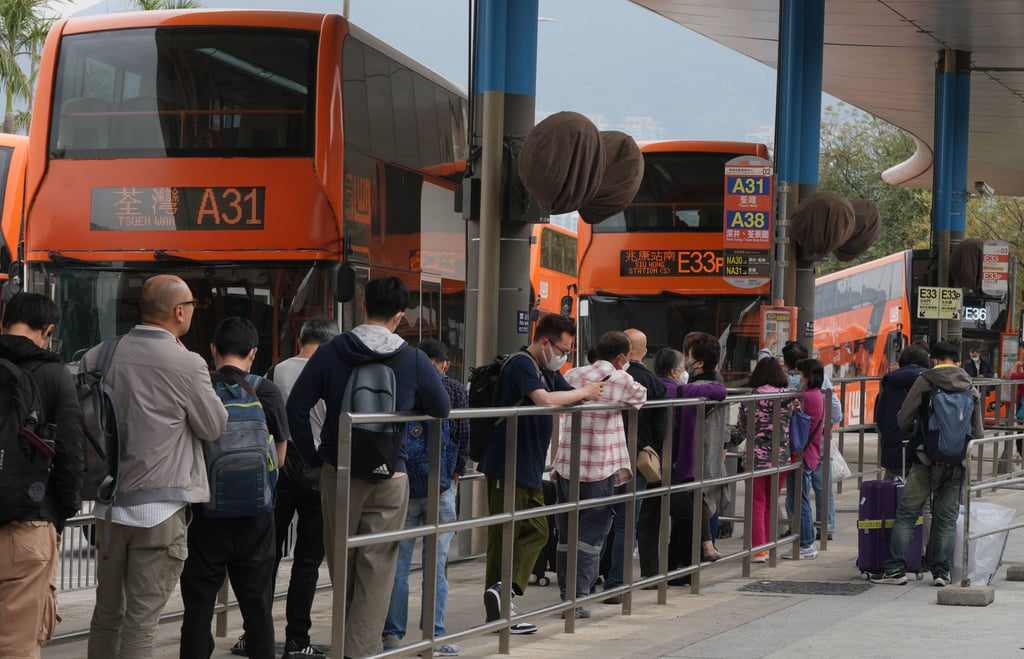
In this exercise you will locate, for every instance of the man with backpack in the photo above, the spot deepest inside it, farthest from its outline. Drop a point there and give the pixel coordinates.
(944, 410)
(454, 451)
(531, 377)
(33, 380)
(369, 357)
(233, 533)
(166, 406)
(298, 494)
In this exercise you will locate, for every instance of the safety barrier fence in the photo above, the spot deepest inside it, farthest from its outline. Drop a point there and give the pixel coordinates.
(973, 487)
(509, 516)
(77, 570)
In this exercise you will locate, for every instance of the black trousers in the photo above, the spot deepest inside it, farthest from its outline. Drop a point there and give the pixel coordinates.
(243, 549)
(308, 554)
(680, 552)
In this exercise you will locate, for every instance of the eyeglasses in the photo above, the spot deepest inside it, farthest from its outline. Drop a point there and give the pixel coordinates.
(194, 303)
(561, 350)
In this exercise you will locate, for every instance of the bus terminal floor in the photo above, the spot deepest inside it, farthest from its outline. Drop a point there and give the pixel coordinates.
(722, 621)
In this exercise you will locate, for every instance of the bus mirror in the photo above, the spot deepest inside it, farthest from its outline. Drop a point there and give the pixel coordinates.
(534, 314)
(344, 282)
(566, 306)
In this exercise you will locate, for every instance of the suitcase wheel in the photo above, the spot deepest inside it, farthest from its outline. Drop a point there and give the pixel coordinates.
(920, 576)
(544, 581)
(864, 576)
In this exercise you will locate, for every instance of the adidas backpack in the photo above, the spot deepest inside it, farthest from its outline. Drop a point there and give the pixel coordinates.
(948, 425)
(25, 456)
(371, 388)
(242, 463)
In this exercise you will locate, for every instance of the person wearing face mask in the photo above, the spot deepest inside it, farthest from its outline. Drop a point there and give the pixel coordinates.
(650, 431)
(527, 381)
(28, 599)
(669, 366)
(604, 460)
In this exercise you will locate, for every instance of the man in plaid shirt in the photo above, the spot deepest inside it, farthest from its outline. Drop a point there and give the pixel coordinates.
(604, 459)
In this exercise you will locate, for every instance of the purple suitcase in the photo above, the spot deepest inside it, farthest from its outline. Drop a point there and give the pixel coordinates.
(878, 503)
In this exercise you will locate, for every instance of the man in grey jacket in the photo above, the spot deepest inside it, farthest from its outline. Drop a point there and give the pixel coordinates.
(166, 405)
(929, 478)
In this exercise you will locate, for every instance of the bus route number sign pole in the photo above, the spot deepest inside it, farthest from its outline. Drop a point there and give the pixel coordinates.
(939, 303)
(747, 244)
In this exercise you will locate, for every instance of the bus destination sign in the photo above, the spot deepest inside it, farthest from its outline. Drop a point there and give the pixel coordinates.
(747, 238)
(670, 263)
(178, 209)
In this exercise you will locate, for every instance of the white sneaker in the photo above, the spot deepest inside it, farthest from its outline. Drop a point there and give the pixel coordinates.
(806, 553)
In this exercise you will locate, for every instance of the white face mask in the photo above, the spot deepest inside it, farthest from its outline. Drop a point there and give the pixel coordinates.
(553, 363)
(683, 378)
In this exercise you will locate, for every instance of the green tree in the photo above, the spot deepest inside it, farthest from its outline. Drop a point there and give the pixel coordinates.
(151, 5)
(23, 28)
(999, 218)
(855, 149)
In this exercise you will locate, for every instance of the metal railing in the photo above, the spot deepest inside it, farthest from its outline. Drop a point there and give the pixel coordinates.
(510, 516)
(995, 481)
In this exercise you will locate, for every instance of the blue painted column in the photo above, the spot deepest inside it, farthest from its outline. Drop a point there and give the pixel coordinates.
(504, 91)
(949, 172)
(797, 147)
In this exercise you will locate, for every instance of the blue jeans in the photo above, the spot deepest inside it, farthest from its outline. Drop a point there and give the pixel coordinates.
(398, 610)
(945, 482)
(818, 482)
(806, 518)
(615, 572)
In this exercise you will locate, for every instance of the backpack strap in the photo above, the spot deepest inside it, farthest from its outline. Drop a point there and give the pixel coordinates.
(540, 375)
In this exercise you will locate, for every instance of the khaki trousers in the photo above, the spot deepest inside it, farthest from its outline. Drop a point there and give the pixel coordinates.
(28, 595)
(136, 572)
(374, 507)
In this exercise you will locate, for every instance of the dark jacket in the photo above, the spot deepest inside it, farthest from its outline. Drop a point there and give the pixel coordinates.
(418, 388)
(60, 407)
(891, 395)
(652, 424)
(948, 377)
(982, 370)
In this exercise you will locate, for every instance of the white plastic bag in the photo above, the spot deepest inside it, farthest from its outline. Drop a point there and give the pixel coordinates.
(840, 470)
(985, 553)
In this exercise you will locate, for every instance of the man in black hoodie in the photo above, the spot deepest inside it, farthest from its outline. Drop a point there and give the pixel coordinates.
(928, 478)
(28, 600)
(913, 361)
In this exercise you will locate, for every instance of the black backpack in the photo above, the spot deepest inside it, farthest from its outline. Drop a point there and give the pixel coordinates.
(483, 392)
(26, 445)
(99, 420)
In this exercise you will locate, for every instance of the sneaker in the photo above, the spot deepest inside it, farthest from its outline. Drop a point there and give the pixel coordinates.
(308, 652)
(390, 642)
(759, 557)
(239, 647)
(890, 578)
(581, 612)
(492, 602)
(447, 650)
(940, 580)
(806, 553)
(523, 628)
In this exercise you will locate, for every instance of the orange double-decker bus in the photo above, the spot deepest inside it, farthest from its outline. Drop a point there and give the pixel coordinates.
(13, 160)
(666, 264)
(552, 270)
(866, 314)
(249, 152)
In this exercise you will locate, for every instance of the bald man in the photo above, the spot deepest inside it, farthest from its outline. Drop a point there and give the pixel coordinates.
(650, 431)
(166, 407)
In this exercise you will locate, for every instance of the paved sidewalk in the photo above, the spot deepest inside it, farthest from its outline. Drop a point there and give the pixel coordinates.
(723, 621)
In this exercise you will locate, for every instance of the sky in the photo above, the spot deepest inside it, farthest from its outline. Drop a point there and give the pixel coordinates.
(607, 59)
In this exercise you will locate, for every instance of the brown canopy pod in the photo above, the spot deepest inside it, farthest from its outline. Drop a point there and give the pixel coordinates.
(624, 169)
(822, 222)
(562, 161)
(965, 263)
(867, 223)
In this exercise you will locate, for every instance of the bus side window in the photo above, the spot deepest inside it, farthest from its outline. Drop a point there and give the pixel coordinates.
(84, 123)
